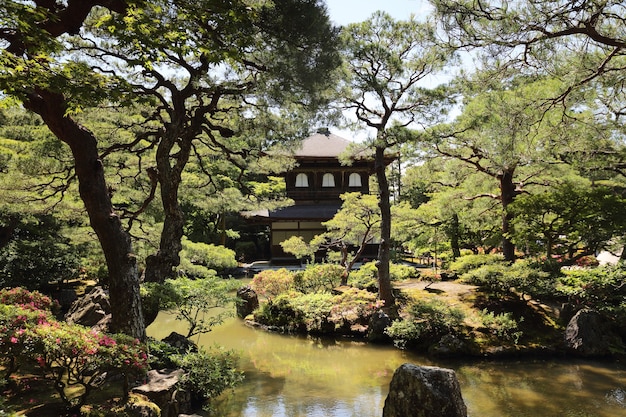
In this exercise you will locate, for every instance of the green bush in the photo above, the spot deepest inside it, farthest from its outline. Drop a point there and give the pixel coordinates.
(366, 277)
(318, 278)
(428, 321)
(37, 254)
(602, 289)
(281, 313)
(319, 312)
(208, 373)
(500, 279)
(503, 326)
(271, 283)
(197, 258)
(399, 272)
(467, 263)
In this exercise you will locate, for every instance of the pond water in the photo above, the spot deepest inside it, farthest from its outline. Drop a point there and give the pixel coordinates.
(289, 376)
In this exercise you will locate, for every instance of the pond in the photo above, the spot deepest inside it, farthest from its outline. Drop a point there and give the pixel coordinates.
(291, 376)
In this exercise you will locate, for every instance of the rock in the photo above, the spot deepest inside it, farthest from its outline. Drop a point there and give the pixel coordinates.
(587, 334)
(161, 389)
(91, 310)
(424, 391)
(448, 276)
(448, 345)
(249, 301)
(379, 321)
(181, 343)
(140, 406)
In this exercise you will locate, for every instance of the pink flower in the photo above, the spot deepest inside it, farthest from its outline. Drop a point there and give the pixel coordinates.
(14, 340)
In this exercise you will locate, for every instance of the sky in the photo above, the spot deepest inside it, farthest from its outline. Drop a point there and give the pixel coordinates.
(343, 12)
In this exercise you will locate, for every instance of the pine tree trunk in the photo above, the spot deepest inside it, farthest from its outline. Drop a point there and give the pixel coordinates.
(384, 280)
(116, 245)
(507, 194)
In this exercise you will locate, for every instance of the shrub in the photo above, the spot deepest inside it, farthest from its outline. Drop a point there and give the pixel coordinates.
(281, 313)
(318, 278)
(500, 279)
(503, 326)
(467, 263)
(365, 277)
(319, 312)
(208, 373)
(37, 253)
(31, 300)
(354, 306)
(270, 283)
(399, 272)
(428, 321)
(198, 258)
(602, 289)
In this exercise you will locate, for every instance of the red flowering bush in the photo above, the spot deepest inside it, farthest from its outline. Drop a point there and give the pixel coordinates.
(270, 283)
(72, 355)
(69, 355)
(32, 300)
(17, 341)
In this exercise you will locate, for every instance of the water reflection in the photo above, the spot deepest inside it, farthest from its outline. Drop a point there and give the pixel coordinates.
(305, 377)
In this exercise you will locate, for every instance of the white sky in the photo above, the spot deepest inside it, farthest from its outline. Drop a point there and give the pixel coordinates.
(343, 12)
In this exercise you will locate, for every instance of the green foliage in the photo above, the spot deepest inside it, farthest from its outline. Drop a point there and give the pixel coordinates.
(500, 279)
(192, 299)
(271, 283)
(428, 321)
(573, 218)
(37, 252)
(602, 289)
(208, 373)
(198, 259)
(280, 312)
(503, 325)
(318, 278)
(320, 313)
(399, 272)
(468, 262)
(366, 277)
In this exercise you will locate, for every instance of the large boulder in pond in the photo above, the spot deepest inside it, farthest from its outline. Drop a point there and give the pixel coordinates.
(424, 391)
(588, 334)
(248, 301)
(91, 310)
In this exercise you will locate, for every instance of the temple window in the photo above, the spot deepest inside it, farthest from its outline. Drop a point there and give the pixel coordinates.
(302, 180)
(328, 180)
(354, 180)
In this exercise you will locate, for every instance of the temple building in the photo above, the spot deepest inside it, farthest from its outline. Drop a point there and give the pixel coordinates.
(315, 186)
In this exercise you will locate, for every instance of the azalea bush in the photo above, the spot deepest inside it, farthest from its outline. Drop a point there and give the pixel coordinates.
(469, 262)
(69, 356)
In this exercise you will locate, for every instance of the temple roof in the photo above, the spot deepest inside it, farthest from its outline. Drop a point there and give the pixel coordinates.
(322, 144)
(311, 212)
